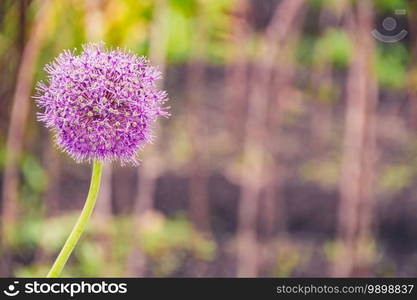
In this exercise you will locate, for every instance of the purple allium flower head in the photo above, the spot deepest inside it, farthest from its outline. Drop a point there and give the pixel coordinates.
(101, 104)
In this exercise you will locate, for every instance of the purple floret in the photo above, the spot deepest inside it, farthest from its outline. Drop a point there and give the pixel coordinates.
(101, 104)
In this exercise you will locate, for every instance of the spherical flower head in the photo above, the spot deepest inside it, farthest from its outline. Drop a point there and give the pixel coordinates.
(101, 104)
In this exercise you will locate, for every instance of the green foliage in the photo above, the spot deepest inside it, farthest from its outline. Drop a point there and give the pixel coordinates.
(336, 250)
(286, 263)
(327, 93)
(8, 29)
(24, 236)
(183, 18)
(304, 54)
(2, 155)
(317, 4)
(167, 242)
(179, 42)
(91, 258)
(289, 257)
(396, 177)
(391, 66)
(59, 227)
(329, 5)
(32, 271)
(187, 8)
(333, 47)
(33, 174)
(127, 24)
(389, 5)
(325, 173)
(105, 250)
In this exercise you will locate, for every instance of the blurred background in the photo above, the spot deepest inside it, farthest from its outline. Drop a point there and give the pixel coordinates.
(291, 150)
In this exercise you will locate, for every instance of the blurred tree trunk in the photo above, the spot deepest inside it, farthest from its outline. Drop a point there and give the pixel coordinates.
(19, 114)
(283, 91)
(197, 127)
(355, 209)
(150, 169)
(22, 20)
(237, 74)
(253, 177)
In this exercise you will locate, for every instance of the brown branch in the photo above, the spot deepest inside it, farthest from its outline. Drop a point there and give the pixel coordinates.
(253, 173)
(196, 127)
(19, 116)
(355, 210)
(237, 74)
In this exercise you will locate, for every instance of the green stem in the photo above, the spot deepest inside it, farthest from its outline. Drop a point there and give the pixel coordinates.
(80, 225)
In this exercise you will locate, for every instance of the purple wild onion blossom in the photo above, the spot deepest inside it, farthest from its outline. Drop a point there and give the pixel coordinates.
(101, 104)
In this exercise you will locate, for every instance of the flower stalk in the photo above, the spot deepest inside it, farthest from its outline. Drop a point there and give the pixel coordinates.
(79, 227)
